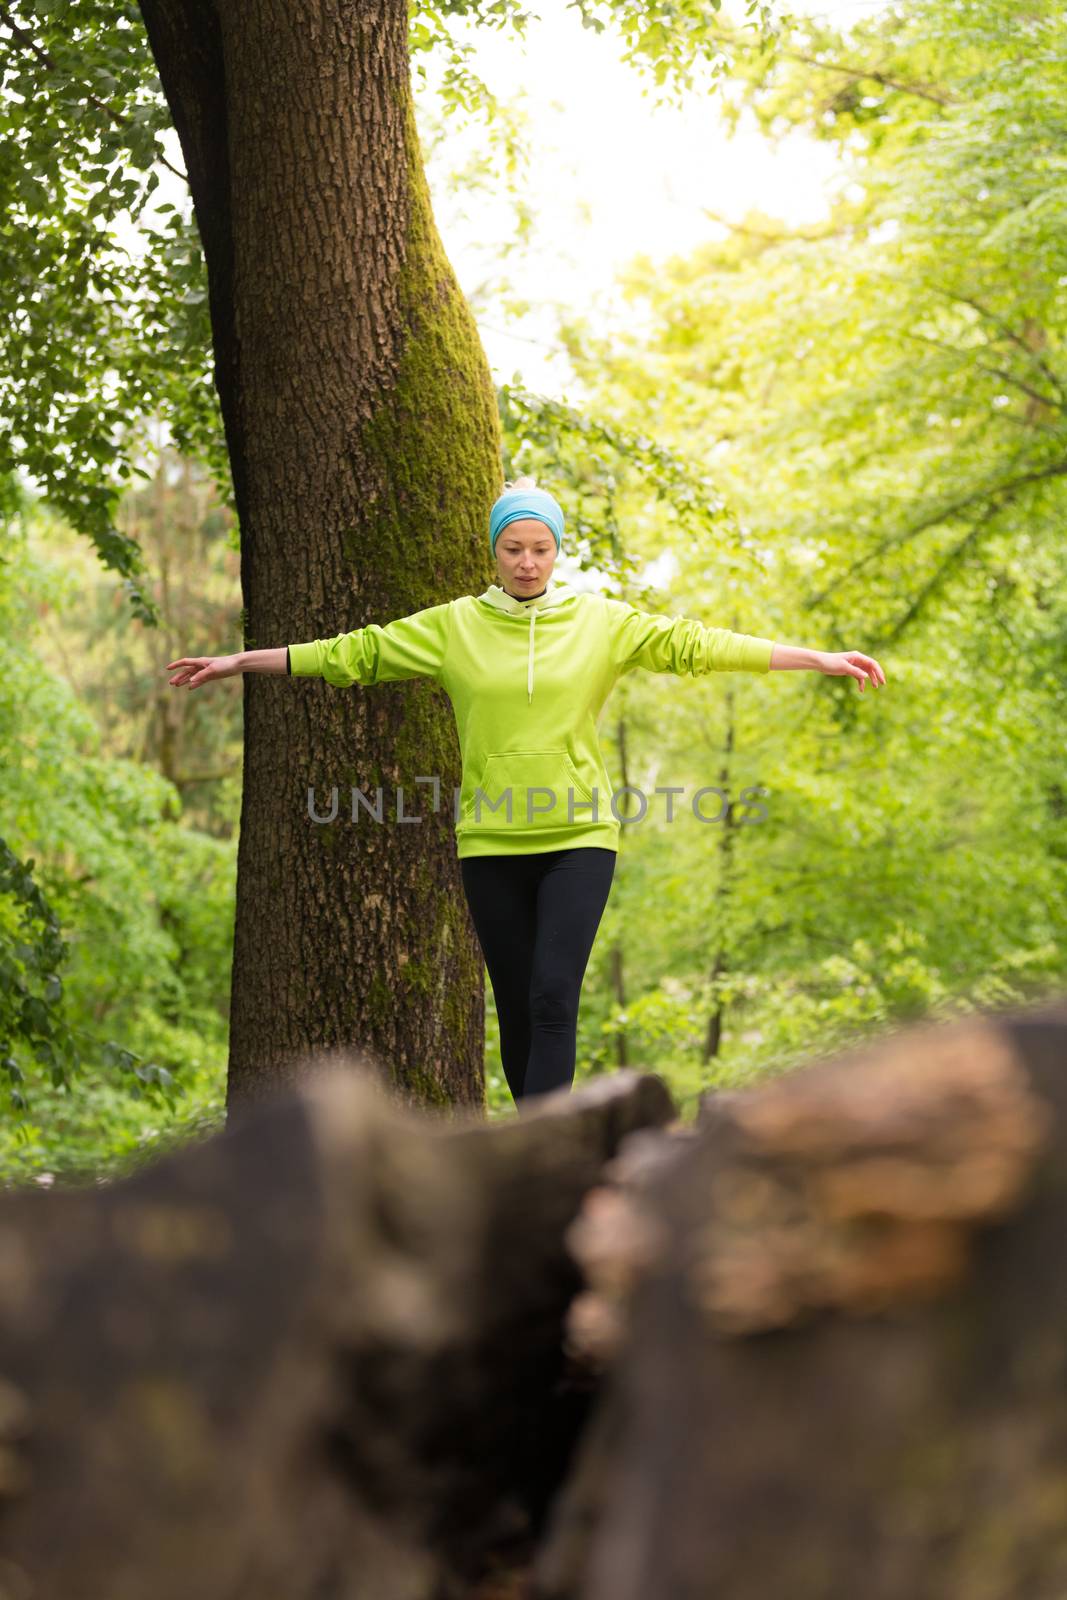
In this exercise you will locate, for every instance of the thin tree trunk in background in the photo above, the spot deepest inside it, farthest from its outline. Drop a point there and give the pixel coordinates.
(163, 730)
(363, 438)
(186, 739)
(618, 984)
(618, 978)
(713, 1036)
(717, 1016)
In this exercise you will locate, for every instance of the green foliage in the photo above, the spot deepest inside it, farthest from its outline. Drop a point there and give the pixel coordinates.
(32, 949)
(672, 38)
(430, 38)
(94, 342)
(126, 1047)
(591, 456)
(880, 403)
(669, 39)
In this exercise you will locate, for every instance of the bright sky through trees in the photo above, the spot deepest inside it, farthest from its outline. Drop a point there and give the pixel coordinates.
(612, 176)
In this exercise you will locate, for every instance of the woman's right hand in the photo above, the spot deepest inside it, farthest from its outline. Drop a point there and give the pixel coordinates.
(194, 671)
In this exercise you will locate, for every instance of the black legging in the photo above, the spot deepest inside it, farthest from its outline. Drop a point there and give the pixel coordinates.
(536, 917)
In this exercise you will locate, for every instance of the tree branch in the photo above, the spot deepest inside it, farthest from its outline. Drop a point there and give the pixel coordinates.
(782, 236)
(1016, 338)
(996, 372)
(1057, 469)
(941, 98)
(26, 38)
(941, 573)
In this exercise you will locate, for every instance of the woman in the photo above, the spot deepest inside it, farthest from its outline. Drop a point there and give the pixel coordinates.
(528, 666)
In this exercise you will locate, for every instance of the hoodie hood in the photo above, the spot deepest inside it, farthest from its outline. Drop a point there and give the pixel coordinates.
(557, 593)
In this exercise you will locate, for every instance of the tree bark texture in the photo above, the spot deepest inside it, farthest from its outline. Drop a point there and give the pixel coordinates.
(363, 437)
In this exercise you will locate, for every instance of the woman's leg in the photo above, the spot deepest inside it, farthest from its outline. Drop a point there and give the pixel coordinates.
(502, 895)
(571, 897)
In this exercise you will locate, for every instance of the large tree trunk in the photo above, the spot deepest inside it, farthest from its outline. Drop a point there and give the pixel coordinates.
(363, 439)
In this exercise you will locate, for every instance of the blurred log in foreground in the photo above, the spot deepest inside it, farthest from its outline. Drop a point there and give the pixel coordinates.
(834, 1322)
(317, 1355)
(811, 1346)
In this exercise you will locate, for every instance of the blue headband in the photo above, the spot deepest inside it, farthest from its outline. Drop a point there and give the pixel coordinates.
(516, 503)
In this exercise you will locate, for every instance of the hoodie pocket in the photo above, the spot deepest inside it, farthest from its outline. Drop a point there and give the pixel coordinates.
(529, 789)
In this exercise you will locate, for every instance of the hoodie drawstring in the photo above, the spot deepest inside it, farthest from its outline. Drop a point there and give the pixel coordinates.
(557, 594)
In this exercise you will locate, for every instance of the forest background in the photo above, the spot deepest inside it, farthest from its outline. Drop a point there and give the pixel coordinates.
(842, 433)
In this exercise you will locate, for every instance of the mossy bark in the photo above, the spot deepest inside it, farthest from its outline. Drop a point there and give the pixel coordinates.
(363, 435)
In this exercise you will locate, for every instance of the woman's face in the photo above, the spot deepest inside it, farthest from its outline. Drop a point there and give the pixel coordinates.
(525, 555)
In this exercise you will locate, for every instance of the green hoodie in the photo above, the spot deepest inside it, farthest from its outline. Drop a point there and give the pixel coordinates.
(533, 777)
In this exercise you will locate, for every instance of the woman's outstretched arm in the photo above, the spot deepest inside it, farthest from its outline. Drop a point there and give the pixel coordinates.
(837, 663)
(683, 645)
(409, 647)
(194, 671)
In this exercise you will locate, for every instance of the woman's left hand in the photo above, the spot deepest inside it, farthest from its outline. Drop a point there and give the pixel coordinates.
(854, 664)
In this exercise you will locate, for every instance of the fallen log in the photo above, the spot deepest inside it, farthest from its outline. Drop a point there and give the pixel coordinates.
(317, 1355)
(833, 1323)
(810, 1345)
